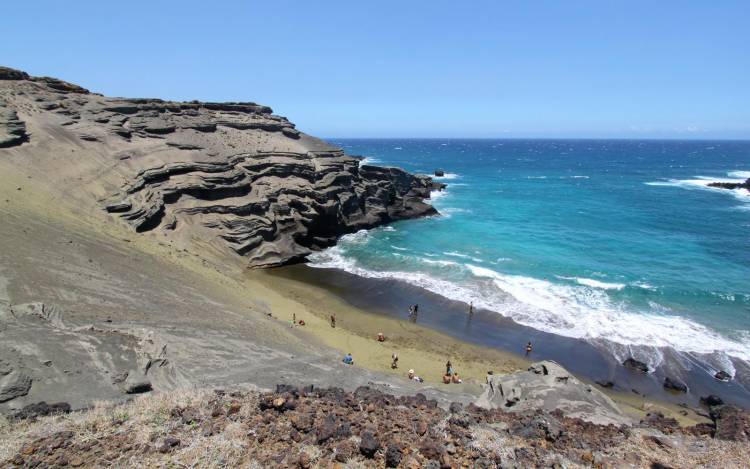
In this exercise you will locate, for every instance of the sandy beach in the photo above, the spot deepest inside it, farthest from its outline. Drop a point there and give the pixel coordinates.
(418, 347)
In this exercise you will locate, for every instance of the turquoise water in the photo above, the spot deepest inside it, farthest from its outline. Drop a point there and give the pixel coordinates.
(616, 242)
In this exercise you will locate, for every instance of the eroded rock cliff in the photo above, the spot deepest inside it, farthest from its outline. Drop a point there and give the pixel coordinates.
(230, 174)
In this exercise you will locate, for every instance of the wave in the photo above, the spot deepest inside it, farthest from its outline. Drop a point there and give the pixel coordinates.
(583, 310)
(368, 160)
(464, 256)
(744, 175)
(590, 282)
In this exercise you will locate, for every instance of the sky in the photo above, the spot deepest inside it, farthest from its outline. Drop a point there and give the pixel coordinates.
(481, 69)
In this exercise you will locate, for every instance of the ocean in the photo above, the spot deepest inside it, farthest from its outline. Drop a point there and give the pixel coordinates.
(618, 243)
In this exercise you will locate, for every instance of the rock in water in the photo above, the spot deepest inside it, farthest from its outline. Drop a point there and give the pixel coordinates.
(675, 384)
(731, 185)
(549, 386)
(634, 364)
(722, 375)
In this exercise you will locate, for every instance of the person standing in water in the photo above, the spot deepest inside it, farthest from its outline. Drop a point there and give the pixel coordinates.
(528, 348)
(471, 309)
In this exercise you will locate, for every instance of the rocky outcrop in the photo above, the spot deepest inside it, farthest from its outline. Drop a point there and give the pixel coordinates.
(234, 174)
(12, 129)
(548, 386)
(71, 362)
(311, 427)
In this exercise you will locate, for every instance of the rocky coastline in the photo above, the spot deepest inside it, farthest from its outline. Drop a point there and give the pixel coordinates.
(237, 174)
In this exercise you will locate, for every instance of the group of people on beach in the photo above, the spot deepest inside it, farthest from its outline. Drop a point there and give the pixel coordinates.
(451, 376)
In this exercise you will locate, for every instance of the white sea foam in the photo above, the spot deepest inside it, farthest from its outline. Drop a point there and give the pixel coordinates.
(580, 310)
(434, 195)
(398, 248)
(464, 256)
(368, 160)
(439, 262)
(739, 174)
(590, 282)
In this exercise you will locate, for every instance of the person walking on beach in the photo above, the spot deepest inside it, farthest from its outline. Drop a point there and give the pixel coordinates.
(394, 361)
(333, 320)
(448, 368)
(528, 348)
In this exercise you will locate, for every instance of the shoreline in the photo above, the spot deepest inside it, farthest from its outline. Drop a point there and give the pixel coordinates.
(419, 346)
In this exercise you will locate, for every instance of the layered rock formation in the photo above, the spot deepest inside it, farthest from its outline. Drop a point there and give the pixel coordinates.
(234, 174)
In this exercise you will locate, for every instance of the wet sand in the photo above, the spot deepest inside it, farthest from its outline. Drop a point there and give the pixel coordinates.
(364, 307)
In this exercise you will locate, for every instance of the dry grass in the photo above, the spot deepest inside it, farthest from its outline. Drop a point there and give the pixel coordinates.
(148, 418)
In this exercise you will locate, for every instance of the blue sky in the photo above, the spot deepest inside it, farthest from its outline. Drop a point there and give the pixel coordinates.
(626, 69)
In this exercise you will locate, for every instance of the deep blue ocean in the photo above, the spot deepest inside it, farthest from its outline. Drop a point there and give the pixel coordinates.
(620, 243)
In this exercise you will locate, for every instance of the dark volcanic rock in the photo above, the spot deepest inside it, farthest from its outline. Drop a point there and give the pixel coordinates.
(732, 423)
(722, 375)
(41, 409)
(369, 445)
(711, 400)
(675, 384)
(634, 364)
(392, 456)
(731, 185)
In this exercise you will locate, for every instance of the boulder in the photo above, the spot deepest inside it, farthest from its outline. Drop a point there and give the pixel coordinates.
(393, 456)
(675, 384)
(636, 365)
(548, 386)
(368, 445)
(722, 376)
(732, 423)
(711, 400)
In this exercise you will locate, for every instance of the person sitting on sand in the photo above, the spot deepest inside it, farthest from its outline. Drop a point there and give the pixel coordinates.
(528, 348)
(447, 378)
(333, 320)
(456, 379)
(348, 359)
(394, 361)
(301, 322)
(381, 337)
(414, 377)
